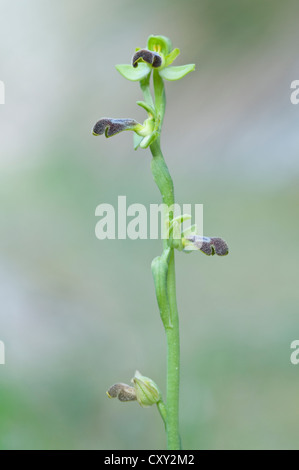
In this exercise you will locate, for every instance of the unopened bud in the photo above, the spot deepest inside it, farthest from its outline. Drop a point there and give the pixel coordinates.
(147, 392)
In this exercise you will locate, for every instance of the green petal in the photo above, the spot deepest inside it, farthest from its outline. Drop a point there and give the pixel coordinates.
(171, 57)
(133, 74)
(176, 73)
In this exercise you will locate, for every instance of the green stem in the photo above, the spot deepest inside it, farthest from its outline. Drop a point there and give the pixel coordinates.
(173, 362)
(164, 182)
(170, 413)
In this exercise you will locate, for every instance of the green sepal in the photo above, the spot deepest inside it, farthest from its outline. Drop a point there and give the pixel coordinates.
(148, 108)
(162, 41)
(171, 57)
(149, 139)
(176, 73)
(133, 74)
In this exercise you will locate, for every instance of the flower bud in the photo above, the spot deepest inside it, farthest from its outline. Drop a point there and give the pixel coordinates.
(147, 392)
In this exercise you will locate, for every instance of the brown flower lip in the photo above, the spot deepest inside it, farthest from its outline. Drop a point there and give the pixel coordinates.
(150, 57)
(122, 391)
(210, 245)
(111, 126)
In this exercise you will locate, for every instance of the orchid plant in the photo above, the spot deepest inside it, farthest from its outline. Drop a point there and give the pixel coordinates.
(155, 61)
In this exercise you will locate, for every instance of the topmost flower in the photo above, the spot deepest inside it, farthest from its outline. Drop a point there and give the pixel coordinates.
(157, 55)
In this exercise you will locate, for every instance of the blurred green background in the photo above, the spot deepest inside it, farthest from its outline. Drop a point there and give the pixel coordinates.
(78, 314)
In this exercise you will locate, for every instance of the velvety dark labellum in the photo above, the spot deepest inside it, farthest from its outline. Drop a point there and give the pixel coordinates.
(220, 246)
(111, 126)
(210, 246)
(150, 57)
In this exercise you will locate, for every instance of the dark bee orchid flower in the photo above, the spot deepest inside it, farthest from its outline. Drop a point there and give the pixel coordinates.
(208, 245)
(149, 57)
(188, 240)
(145, 391)
(110, 127)
(157, 55)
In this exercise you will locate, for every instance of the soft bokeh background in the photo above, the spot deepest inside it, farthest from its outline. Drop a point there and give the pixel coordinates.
(78, 314)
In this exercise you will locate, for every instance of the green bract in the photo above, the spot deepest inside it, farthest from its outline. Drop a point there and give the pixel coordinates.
(148, 108)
